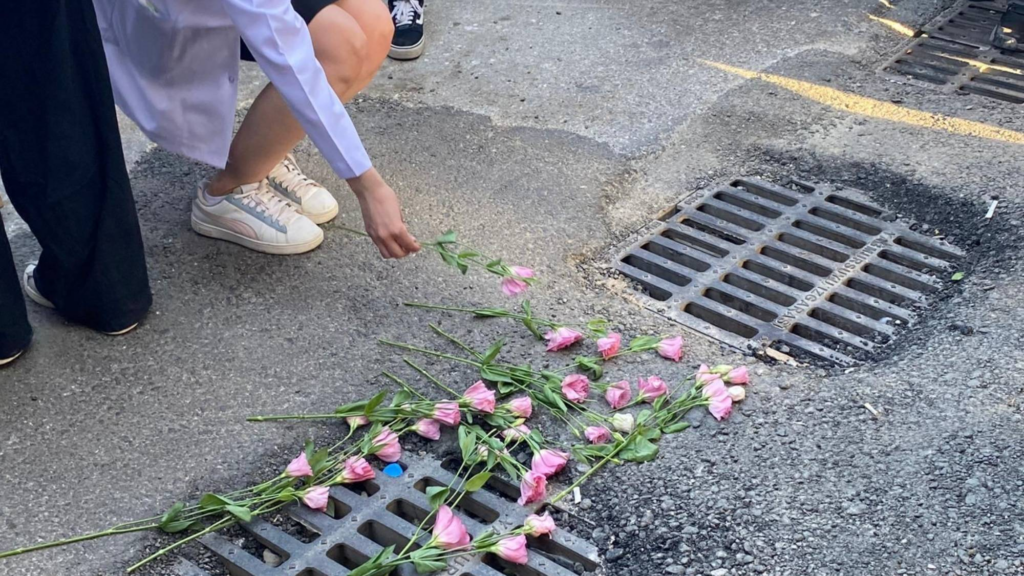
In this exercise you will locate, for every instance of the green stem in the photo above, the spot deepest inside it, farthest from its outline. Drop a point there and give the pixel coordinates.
(593, 469)
(457, 342)
(292, 417)
(405, 386)
(429, 352)
(213, 527)
(431, 377)
(82, 538)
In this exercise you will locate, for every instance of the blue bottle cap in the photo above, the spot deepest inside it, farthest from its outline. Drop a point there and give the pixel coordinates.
(393, 470)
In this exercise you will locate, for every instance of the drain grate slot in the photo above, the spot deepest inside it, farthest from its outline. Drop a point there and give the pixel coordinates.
(753, 263)
(389, 517)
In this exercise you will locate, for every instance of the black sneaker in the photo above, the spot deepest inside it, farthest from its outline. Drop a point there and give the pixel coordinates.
(1009, 33)
(408, 18)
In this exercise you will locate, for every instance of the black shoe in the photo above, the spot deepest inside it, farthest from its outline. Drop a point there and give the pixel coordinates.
(1009, 33)
(408, 18)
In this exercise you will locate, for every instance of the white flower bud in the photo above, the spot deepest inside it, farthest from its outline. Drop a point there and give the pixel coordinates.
(737, 393)
(623, 422)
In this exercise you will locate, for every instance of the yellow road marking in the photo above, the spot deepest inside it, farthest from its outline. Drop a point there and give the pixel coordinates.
(885, 3)
(901, 28)
(863, 106)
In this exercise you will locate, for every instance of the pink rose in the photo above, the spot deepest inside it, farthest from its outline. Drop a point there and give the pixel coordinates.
(316, 498)
(512, 549)
(299, 467)
(532, 488)
(575, 388)
(597, 434)
(514, 285)
(521, 407)
(429, 429)
(480, 397)
(357, 421)
(609, 345)
(386, 446)
(539, 525)
(562, 338)
(705, 375)
(549, 462)
(515, 432)
(671, 348)
(720, 403)
(447, 413)
(449, 533)
(651, 388)
(738, 376)
(356, 469)
(618, 394)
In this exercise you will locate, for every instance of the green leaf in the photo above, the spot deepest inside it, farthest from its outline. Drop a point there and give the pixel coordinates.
(428, 560)
(467, 443)
(477, 482)
(677, 427)
(436, 495)
(493, 374)
(172, 514)
(598, 326)
(644, 343)
(493, 352)
(554, 401)
(491, 313)
(642, 416)
(401, 397)
(240, 512)
(593, 365)
(318, 461)
(212, 501)
(179, 526)
(659, 402)
(449, 258)
(527, 309)
(506, 388)
(351, 409)
(639, 449)
(374, 402)
(449, 237)
(957, 277)
(532, 328)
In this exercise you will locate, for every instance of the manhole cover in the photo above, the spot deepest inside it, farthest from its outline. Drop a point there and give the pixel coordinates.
(369, 516)
(806, 266)
(955, 53)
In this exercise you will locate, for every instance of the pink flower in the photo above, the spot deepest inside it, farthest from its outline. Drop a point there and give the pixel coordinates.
(521, 407)
(532, 488)
(448, 531)
(429, 429)
(705, 375)
(737, 393)
(357, 469)
(562, 338)
(738, 376)
(597, 434)
(357, 421)
(671, 348)
(512, 549)
(575, 388)
(386, 446)
(514, 285)
(549, 462)
(720, 404)
(515, 432)
(618, 394)
(539, 525)
(447, 413)
(651, 388)
(299, 468)
(480, 397)
(316, 498)
(609, 345)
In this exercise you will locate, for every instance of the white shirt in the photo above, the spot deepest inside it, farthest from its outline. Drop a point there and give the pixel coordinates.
(174, 69)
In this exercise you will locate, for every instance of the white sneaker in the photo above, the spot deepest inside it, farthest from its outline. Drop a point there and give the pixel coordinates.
(312, 200)
(38, 298)
(4, 361)
(254, 217)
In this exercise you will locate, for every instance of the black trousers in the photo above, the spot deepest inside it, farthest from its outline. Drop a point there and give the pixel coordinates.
(63, 170)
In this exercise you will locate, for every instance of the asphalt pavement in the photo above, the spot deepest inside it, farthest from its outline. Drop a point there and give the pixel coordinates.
(547, 132)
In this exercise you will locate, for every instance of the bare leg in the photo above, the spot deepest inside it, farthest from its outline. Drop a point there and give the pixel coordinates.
(351, 38)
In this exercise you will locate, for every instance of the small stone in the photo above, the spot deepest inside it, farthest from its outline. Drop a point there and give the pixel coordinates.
(720, 572)
(856, 509)
(675, 569)
(271, 559)
(690, 530)
(614, 554)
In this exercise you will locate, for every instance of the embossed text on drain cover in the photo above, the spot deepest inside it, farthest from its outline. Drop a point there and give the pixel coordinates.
(812, 267)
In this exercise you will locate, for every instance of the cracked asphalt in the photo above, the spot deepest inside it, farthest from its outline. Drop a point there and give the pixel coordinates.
(547, 132)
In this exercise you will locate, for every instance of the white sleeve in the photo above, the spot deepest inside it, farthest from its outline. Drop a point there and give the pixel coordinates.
(278, 38)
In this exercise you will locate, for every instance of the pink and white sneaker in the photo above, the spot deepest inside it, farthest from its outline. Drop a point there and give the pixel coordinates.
(254, 217)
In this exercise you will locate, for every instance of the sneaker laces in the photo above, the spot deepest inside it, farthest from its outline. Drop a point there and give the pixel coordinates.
(288, 175)
(405, 11)
(266, 202)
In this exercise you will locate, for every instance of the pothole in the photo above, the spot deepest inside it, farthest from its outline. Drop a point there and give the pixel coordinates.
(811, 267)
(955, 53)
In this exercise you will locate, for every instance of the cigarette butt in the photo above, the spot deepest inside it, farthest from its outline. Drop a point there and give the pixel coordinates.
(871, 409)
(577, 496)
(992, 209)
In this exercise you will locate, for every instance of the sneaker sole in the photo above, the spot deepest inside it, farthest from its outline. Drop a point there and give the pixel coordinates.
(123, 332)
(32, 293)
(406, 52)
(5, 361)
(322, 218)
(209, 231)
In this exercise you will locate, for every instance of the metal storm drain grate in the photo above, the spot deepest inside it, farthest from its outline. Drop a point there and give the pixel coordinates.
(364, 518)
(806, 266)
(955, 53)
